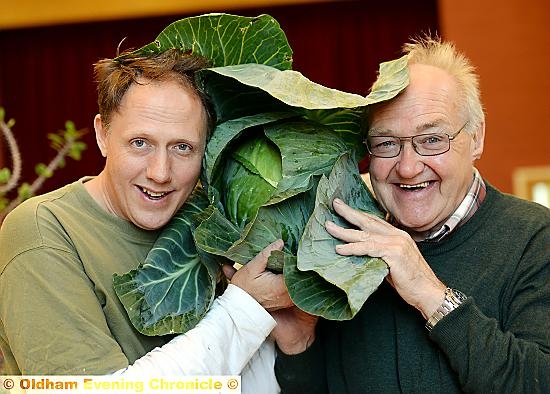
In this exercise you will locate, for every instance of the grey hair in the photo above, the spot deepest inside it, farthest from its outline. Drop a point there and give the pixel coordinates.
(432, 51)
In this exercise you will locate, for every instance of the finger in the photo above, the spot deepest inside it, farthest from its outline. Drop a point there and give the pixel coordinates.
(281, 303)
(371, 244)
(347, 212)
(355, 249)
(228, 271)
(259, 263)
(343, 234)
(362, 220)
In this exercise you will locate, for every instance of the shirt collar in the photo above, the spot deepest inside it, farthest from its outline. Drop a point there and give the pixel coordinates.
(466, 209)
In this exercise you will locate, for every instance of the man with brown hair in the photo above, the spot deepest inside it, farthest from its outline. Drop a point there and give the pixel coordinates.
(59, 313)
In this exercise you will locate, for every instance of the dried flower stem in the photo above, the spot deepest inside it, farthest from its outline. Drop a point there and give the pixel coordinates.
(15, 157)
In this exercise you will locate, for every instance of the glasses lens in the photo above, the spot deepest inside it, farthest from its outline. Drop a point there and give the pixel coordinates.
(383, 146)
(431, 144)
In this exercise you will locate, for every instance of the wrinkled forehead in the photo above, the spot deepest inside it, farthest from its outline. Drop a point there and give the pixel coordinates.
(431, 98)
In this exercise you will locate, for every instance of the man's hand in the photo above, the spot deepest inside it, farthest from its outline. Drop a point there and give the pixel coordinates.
(409, 274)
(295, 330)
(266, 287)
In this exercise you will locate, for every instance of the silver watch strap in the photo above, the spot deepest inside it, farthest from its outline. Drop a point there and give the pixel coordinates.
(453, 298)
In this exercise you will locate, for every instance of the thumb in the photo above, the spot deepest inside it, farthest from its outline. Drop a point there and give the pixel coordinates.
(259, 263)
(228, 271)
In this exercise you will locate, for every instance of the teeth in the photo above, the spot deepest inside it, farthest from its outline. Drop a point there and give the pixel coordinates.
(153, 195)
(419, 185)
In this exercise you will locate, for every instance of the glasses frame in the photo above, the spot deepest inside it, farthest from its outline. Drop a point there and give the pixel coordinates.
(402, 140)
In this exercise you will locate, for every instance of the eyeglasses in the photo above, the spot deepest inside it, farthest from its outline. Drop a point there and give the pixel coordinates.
(431, 144)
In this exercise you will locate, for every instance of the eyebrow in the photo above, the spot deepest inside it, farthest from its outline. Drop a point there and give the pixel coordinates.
(419, 129)
(375, 131)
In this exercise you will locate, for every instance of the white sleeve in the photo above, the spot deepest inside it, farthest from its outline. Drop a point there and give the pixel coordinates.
(258, 375)
(222, 343)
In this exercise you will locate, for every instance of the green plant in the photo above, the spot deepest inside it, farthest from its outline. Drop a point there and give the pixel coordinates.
(283, 148)
(66, 143)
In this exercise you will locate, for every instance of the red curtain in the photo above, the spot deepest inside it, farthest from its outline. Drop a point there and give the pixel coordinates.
(46, 73)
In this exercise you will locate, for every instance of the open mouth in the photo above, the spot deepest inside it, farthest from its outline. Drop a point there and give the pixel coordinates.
(415, 187)
(153, 195)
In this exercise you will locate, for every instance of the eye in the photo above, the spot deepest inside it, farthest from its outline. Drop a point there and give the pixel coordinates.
(383, 143)
(387, 143)
(432, 139)
(138, 143)
(184, 148)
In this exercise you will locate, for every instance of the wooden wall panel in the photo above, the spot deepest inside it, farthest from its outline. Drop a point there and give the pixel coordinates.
(509, 42)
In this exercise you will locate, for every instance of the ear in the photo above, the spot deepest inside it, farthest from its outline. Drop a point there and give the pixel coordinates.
(100, 135)
(478, 139)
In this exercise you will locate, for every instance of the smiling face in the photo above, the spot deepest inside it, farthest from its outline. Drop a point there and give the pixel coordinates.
(153, 147)
(421, 192)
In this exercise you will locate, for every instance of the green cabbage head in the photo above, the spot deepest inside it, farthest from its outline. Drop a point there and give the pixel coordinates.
(284, 147)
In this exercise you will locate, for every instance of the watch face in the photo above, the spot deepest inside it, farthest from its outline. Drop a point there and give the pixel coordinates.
(453, 298)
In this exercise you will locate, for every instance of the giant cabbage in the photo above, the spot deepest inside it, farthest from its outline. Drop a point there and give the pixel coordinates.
(283, 148)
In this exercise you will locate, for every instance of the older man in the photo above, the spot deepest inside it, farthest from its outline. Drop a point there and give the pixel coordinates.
(465, 307)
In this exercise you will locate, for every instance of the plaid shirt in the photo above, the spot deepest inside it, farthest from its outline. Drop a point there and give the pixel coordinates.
(465, 210)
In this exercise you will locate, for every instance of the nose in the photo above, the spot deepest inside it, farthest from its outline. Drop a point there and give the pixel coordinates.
(409, 163)
(159, 168)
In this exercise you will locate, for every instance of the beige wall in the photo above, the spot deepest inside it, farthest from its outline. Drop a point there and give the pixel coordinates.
(509, 42)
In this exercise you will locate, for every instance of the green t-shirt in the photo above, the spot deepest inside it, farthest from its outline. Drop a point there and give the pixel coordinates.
(59, 313)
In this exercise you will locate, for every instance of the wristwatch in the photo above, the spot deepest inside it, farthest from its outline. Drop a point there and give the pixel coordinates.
(453, 298)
